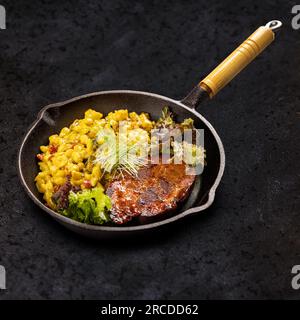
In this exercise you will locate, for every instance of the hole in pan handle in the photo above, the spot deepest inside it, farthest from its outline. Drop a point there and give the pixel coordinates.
(233, 64)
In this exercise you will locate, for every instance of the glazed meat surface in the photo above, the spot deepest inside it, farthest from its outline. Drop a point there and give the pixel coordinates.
(158, 189)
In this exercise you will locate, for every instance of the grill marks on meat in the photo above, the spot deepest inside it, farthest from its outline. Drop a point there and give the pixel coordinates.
(158, 189)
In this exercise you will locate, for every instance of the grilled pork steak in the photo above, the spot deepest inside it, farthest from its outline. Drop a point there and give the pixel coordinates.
(158, 189)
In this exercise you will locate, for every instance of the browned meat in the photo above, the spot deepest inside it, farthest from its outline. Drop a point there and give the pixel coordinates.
(157, 189)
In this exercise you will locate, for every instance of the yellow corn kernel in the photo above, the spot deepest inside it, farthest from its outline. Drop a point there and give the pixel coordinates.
(72, 167)
(100, 140)
(87, 176)
(89, 148)
(41, 187)
(84, 139)
(76, 157)
(64, 132)
(53, 169)
(76, 175)
(98, 124)
(43, 148)
(94, 182)
(93, 132)
(43, 166)
(60, 161)
(48, 199)
(80, 166)
(60, 173)
(121, 115)
(93, 114)
(73, 137)
(41, 176)
(77, 128)
(49, 185)
(134, 116)
(55, 139)
(96, 172)
(59, 180)
(89, 121)
(47, 157)
(68, 153)
(113, 123)
(64, 147)
(76, 182)
(145, 122)
(78, 147)
(83, 153)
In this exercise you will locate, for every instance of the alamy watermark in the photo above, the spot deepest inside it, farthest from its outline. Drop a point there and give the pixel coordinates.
(296, 18)
(2, 17)
(2, 278)
(135, 148)
(296, 279)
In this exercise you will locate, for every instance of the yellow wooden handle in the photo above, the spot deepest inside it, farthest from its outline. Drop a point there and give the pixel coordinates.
(238, 60)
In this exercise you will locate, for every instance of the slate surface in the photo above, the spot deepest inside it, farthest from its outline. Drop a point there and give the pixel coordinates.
(242, 247)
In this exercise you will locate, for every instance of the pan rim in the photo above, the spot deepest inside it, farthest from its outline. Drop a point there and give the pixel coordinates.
(69, 221)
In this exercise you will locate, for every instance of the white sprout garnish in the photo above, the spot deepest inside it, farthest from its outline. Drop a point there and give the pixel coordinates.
(116, 157)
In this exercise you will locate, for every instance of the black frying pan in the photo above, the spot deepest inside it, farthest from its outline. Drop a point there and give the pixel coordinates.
(52, 118)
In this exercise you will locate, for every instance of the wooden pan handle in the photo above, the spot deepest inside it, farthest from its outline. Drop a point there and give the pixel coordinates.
(239, 59)
(232, 65)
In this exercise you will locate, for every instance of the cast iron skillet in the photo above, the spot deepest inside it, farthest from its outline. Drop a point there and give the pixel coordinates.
(52, 118)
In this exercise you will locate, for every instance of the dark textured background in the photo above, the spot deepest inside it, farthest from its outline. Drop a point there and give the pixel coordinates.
(242, 247)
